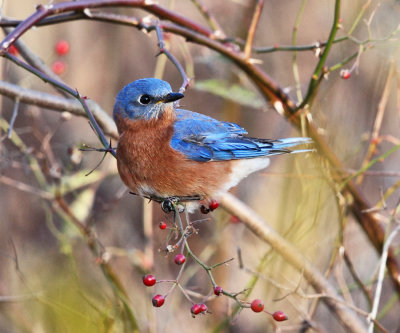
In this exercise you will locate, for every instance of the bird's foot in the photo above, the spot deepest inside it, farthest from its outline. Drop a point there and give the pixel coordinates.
(171, 203)
(168, 203)
(209, 206)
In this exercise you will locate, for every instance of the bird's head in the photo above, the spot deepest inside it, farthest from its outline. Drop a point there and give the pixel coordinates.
(144, 99)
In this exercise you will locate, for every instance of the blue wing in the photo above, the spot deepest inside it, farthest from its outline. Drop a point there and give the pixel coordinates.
(202, 138)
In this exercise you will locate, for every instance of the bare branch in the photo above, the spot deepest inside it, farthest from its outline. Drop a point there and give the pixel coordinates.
(252, 30)
(381, 276)
(59, 104)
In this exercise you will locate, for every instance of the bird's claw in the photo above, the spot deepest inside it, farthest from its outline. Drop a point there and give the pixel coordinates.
(171, 203)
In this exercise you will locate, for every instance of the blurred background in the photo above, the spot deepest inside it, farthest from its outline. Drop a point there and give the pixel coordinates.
(49, 277)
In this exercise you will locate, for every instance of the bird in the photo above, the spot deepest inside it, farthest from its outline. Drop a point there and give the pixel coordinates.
(166, 152)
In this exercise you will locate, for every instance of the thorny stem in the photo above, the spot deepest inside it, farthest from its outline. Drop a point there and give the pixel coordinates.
(318, 72)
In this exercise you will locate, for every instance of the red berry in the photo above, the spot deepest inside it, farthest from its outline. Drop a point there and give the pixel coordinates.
(62, 47)
(58, 67)
(279, 316)
(234, 219)
(257, 305)
(345, 74)
(195, 309)
(213, 205)
(218, 290)
(158, 300)
(204, 209)
(203, 308)
(162, 225)
(13, 50)
(149, 280)
(179, 259)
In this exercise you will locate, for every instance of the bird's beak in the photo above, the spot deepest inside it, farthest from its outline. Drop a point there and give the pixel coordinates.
(172, 97)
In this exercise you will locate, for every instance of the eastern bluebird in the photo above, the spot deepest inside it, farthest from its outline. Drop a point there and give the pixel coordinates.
(165, 152)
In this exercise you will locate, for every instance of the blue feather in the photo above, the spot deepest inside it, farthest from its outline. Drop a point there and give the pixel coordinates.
(202, 138)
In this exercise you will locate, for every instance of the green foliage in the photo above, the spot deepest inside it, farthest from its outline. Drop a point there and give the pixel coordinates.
(233, 92)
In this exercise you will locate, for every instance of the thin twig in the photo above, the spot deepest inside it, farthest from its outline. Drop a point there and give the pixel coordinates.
(252, 29)
(374, 139)
(355, 276)
(294, 57)
(381, 276)
(318, 72)
(171, 57)
(13, 117)
(25, 187)
(218, 31)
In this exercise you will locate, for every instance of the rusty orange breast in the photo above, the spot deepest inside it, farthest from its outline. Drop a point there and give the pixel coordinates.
(148, 165)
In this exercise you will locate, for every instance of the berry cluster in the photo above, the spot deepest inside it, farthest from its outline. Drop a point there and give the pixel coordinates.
(61, 49)
(198, 308)
(184, 232)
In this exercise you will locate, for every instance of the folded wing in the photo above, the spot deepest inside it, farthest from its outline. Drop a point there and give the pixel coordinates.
(202, 138)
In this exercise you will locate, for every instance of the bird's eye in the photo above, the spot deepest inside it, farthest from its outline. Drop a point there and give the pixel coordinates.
(144, 99)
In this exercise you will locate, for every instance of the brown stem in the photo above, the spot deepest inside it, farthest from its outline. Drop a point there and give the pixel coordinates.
(252, 30)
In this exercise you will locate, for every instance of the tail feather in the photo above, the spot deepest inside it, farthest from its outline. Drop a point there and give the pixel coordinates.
(291, 142)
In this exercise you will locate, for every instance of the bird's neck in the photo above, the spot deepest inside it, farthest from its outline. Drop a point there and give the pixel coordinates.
(165, 120)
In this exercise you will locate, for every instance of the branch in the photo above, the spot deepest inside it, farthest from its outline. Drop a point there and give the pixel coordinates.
(43, 11)
(70, 91)
(381, 276)
(59, 104)
(253, 26)
(318, 72)
(213, 23)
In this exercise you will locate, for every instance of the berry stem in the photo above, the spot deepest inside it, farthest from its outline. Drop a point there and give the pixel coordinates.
(207, 268)
(184, 292)
(222, 263)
